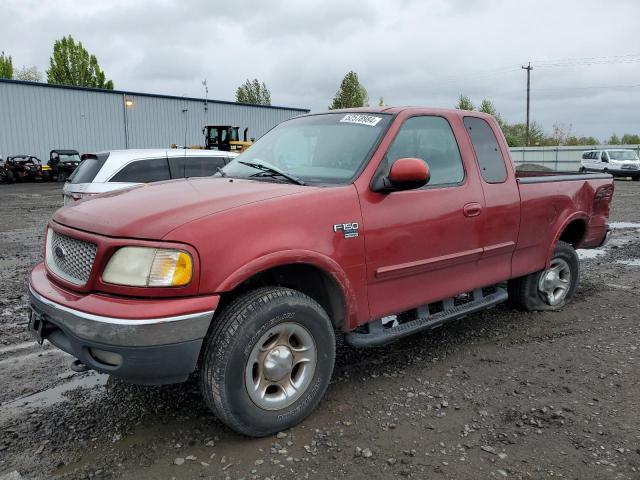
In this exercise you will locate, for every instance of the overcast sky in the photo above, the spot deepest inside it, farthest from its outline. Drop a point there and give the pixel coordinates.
(585, 53)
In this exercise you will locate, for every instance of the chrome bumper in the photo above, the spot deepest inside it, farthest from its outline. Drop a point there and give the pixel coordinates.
(122, 331)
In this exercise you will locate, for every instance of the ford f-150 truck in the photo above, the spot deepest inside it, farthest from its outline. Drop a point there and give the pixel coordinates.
(375, 223)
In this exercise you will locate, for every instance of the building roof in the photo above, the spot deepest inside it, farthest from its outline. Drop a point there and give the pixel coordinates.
(142, 94)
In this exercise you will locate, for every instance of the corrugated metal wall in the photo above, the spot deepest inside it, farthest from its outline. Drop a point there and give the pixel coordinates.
(36, 118)
(564, 158)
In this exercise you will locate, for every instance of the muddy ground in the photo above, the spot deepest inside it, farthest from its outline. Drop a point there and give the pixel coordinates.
(500, 394)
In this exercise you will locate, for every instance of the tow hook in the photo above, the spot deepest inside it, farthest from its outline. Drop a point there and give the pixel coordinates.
(78, 366)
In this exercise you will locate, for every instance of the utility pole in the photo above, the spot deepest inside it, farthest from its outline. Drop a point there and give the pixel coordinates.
(528, 68)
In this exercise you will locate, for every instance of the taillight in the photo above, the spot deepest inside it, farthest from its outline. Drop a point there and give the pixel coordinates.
(602, 200)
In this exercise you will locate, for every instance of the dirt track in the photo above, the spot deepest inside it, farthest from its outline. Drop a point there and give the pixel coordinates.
(500, 394)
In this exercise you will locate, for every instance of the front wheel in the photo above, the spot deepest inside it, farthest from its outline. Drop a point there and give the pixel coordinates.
(548, 289)
(268, 361)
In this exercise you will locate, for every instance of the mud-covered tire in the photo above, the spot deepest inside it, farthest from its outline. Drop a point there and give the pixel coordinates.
(525, 293)
(231, 343)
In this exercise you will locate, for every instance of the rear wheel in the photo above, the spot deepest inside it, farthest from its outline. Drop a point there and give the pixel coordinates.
(62, 177)
(548, 289)
(267, 361)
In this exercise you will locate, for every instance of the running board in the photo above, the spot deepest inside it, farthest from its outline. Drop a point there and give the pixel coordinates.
(378, 334)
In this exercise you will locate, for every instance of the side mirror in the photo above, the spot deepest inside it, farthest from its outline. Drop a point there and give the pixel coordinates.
(405, 174)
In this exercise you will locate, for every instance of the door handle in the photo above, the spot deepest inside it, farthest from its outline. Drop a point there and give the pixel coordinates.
(472, 209)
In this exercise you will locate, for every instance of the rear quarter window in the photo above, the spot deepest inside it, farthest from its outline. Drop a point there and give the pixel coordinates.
(487, 150)
(144, 171)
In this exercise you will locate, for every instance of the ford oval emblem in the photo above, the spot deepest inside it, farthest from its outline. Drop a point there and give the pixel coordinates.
(60, 253)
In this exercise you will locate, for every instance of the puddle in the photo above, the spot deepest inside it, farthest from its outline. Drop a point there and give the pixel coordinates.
(50, 396)
(624, 225)
(633, 262)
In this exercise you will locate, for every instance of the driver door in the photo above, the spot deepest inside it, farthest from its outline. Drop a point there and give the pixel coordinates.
(422, 245)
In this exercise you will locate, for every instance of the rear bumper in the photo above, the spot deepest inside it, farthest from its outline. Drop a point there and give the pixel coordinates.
(605, 239)
(139, 350)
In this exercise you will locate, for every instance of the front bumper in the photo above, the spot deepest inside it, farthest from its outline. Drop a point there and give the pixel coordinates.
(623, 172)
(139, 350)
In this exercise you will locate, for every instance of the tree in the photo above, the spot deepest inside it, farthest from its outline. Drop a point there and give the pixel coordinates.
(350, 94)
(465, 103)
(613, 140)
(561, 133)
(516, 134)
(487, 107)
(252, 91)
(71, 64)
(628, 139)
(6, 66)
(28, 74)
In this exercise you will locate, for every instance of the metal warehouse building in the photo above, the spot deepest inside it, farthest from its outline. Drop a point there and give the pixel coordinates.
(37, 117)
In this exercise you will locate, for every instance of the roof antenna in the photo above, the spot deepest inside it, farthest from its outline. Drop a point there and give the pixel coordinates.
(206, 95)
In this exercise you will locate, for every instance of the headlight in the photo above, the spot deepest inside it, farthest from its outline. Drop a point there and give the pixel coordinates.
(149, 267)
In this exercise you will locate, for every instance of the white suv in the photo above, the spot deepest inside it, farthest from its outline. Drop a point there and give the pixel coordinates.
(618, 162)
(118, 169)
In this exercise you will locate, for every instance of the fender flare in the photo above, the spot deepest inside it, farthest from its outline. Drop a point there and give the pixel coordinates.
(556, 237)
(292, 257)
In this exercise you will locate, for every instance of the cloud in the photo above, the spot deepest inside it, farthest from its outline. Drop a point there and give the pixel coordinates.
(409, 51)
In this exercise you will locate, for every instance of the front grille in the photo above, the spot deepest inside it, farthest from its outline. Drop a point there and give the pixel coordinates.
(70, 258)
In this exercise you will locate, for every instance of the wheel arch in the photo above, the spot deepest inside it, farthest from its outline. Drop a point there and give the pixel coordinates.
(572, 231)
(313, 274)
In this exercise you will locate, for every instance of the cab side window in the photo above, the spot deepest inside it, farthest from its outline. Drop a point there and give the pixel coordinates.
(430, 139)
(185, 167)
(487, 150)
(144, 171)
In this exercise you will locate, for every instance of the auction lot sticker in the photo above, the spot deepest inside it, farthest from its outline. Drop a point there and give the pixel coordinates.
(361, 119)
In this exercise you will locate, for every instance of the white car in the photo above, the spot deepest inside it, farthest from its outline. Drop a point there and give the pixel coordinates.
(107, 171)
(618, 162)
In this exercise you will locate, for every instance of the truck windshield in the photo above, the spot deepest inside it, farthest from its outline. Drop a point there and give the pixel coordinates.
(622, 155)
(321, 149)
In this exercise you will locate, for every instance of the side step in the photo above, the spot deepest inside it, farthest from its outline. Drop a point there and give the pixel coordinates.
(379, 334)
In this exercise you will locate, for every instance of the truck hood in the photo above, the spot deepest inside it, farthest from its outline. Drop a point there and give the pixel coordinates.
(151, 211)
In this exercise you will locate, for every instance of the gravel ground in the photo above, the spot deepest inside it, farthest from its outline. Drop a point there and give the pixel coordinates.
(501, 394)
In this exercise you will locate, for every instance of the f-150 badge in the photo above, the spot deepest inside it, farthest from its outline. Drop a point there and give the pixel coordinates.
(349, 230)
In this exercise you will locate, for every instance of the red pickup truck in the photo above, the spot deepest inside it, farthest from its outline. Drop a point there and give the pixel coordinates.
(375, 223)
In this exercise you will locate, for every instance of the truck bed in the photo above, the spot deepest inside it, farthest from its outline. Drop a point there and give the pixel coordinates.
(550, 201)
(531, 176)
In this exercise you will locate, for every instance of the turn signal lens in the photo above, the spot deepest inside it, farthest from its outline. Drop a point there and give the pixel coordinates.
(170, 268)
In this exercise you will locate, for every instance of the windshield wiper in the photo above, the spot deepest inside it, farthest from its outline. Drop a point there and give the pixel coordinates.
(273, 170)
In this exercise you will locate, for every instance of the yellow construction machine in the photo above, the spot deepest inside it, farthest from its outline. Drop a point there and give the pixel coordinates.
(226, 138)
